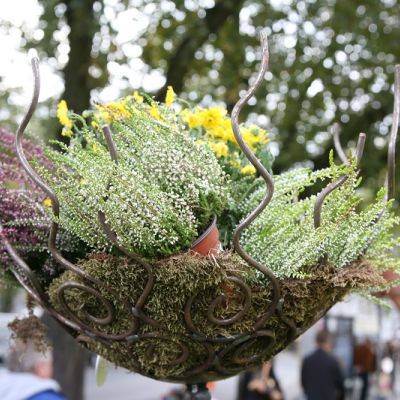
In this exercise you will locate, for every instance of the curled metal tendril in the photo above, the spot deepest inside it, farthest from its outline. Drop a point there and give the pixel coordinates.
(268, 181)
(335, 131)
(86, 289)
(339, 182)
(239, 346)
(38, 180)
(390, 180)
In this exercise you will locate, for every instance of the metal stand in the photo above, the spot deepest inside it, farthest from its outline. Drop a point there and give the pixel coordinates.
(197, 391)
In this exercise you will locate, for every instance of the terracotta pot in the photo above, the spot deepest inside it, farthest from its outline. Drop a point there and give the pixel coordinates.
(208, 243)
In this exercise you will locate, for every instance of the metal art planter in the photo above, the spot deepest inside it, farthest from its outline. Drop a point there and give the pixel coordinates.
(250, 324)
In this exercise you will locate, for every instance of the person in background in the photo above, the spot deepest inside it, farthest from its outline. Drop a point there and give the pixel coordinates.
(28, 375)
(321, 376)
(259, 384)
(364, 365)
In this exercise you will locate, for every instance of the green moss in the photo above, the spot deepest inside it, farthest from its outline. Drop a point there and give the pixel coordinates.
(156, 351)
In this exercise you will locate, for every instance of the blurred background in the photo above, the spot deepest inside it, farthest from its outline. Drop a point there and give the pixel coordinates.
(331, 61)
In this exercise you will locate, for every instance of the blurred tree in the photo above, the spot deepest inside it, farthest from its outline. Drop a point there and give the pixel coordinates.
(330, 61)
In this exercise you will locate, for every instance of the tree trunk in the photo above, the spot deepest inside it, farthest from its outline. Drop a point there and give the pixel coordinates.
(70, 360)
(78, 83)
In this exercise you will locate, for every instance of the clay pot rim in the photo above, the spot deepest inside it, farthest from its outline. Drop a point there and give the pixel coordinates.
(209, 229)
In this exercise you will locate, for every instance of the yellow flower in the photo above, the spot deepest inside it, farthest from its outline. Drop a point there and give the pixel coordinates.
(220, 149)
(117, 109)
(170, 96)
(62, 114)
(213, 117)
(154, 112)
(95, 148)
(194, 120)
(137, 97)
(248, 169)
(254, 136)
(94, 124)
(67, 132)
(47, 202)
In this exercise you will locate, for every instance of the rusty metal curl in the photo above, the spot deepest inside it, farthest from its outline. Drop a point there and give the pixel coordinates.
(245, 289)
(86, 289)
(239, 346)
(331, 187)
(391, 159)
(275, 288)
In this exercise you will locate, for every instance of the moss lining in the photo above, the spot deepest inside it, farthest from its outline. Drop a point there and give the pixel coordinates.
(181, 277)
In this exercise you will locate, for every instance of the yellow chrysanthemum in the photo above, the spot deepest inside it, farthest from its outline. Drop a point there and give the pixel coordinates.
(47, 202)
(94, 124)
(193, 120)
(170, 96)
(248, 169)
(220, 149)
(66, 132)
(137, 97)
(62, 114)
(213, 118)
(154, 111)
(254, 136)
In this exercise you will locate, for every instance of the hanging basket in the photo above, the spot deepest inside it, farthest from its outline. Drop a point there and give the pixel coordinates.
(203, 318)
(189, 318)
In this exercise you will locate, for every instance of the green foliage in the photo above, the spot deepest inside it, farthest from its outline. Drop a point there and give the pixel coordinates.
(284, 237)
(157, 198)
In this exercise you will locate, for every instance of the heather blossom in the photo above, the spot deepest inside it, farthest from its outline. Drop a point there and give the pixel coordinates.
(21, 211)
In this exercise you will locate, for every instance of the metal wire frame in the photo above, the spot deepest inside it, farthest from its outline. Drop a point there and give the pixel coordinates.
(236, 344)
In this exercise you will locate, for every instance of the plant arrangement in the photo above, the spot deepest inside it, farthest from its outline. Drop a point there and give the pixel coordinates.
(157, 193)
(140, 181)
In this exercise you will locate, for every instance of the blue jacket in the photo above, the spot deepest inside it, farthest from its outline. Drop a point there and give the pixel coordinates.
(25, 386)
(47, 395)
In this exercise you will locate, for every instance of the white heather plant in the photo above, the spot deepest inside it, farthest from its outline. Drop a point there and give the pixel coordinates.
(284, 238)
(160, 195)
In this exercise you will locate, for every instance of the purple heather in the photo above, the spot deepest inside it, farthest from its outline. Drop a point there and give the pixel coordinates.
(21, 210)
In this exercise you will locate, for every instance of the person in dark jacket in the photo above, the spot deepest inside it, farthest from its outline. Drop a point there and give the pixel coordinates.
(28, 376)
(321, 376)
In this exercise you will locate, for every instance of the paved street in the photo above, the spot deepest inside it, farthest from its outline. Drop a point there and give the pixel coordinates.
(122, 385)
